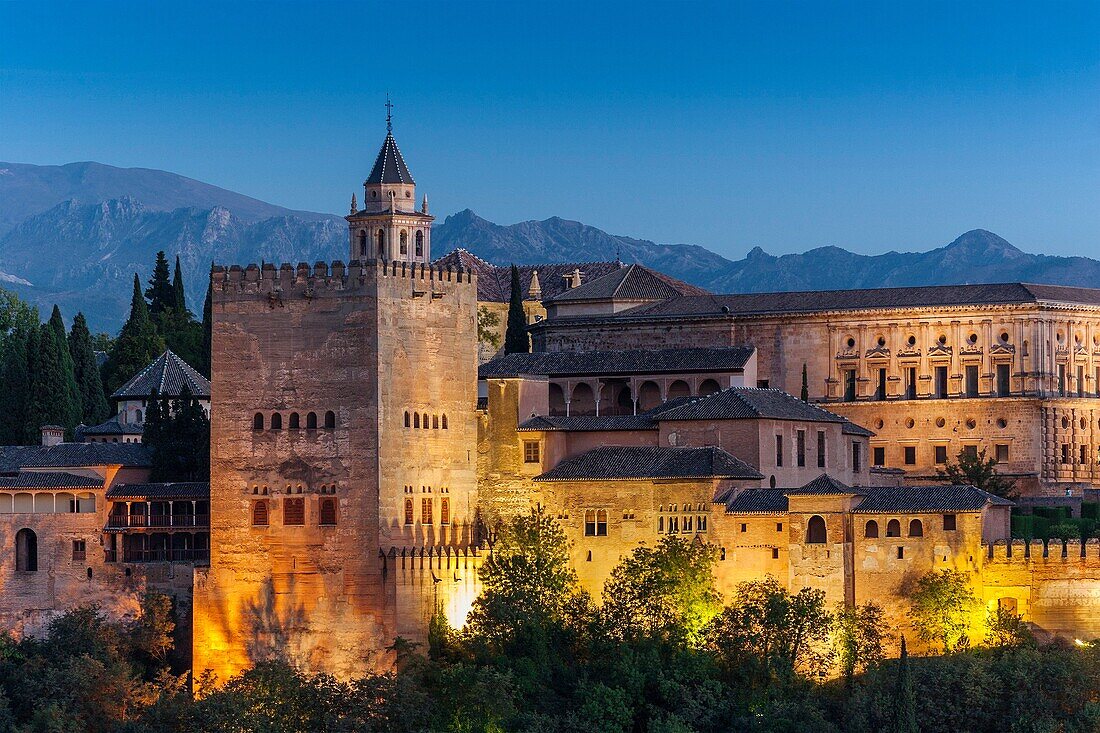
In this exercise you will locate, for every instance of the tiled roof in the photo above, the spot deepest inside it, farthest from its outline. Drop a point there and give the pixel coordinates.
(181, 490)
(166, 375)
(633, 361)
(14, 457)
(825, 485)
(49, 480)
(926, 499)
(494, 282)
(615, 462)
(739, 403)
(757, 501)
(389, 166)
(583, 423)
(633, 282)
(850, 428)
(114, 426)
(78, 455)
(866, 299)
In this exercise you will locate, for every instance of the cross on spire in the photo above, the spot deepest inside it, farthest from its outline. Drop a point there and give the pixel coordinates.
(389, 114)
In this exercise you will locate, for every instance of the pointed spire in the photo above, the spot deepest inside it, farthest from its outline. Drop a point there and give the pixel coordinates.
(354, 207)
(534, 291)
(389, 114)
(424, 206)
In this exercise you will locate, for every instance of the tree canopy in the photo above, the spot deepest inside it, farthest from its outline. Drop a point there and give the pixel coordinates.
(137, 345)
(89, 382)
(974, 469)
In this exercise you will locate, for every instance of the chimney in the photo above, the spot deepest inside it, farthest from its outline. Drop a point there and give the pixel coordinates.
(573, 279)
(52, 435)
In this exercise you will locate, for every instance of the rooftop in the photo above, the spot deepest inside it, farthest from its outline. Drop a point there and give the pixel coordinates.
(182, 490)
(166, 375)
(611, 463)
(738, 403)
(494, 282)
(114, 426)
(73, 455)
(607, 363)
(389, 166)
(633, 282)
(49, 480)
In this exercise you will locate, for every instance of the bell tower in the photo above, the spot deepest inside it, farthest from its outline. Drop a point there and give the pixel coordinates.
(389, 227)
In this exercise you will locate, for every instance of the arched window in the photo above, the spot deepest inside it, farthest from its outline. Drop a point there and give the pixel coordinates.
(381, 241)
(420, 244)
(815, 531)
(416, 419)
(408, 511)
(311, 421)
(259, 514)
(893, 528)
(138, 415)
(407, 419)
(679, 388)
(362, 242)
(583, 400)
(330, 420)
(404, 242)
(294, 422)
(294, 512)
(916, 529)
(328, 513)
(443, 421)
(276, 421)
(424, 421)
(258, 421)
(871, 530)
(435, 422)
(444, 510)
(601, 523)
(649, 396)
(26, 550)
(426, 510)
(709, 386)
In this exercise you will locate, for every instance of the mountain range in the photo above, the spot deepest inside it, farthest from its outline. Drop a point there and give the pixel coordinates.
(75, 235)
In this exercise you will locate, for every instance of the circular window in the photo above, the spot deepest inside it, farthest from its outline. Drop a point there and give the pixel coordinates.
(878, 424)
(851, 342)
(971, 423)
(943, 339)
(912, 340)
(1065, 422)
(881, 340)
(1002, 423)
(972, 338)
(909, 423)
(1004, 337)
(940, 422)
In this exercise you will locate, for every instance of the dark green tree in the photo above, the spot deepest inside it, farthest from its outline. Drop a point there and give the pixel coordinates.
(137, 344)
(54, 398)
(160, 294)
(177, 433)
(974, 469)
(905, 697)
(805, 384)
(516, 340)
(205, 354)
(16, 387)
(73, 396)
(179, 298)
(89, 381)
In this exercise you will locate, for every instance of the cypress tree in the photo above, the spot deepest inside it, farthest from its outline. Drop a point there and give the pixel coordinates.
(805, 385)
(72, 397)
(179, 438)
(179, 298)
(516, 340)
(137, 344)
(17, 383)
(205, 353)
(94, 409)
(50, 387)
(160, 293)
(905, 697)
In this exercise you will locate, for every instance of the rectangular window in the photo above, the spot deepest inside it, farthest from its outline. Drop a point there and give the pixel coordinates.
(426, 511)
(941, 382)
(687, 524)
(821, 449)
(673, 525)
(779, 450)
(660, 525)
(911, 383)
(762, 383)
(79, 551)
(1004, 380)
(949, 522)
(879, 455)
(971, 451)
(701, 523)
(910, 455)
(1065, 453)
(1080, 381)
(744, 527)
(1084, 454)
(444, 511)
(1062, 379)
(294, 512)
(775, 553)
(971, 380)
(901, 553)
(880, 391)
(530, 451)
(1000, 453)
(849, 385)
(941, 454)
(800, 448)
(857, 456)
(778, 526)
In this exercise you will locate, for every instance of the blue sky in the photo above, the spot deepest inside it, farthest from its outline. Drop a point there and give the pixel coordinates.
(871, 126)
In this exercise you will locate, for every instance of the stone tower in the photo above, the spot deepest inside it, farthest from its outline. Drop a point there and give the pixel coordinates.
(342, 433)
(389, 227)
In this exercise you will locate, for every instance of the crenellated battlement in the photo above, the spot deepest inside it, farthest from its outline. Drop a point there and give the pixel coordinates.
(1051, 551)
(269, 278)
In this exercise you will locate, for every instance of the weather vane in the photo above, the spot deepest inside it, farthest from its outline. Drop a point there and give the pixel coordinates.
(389, 114)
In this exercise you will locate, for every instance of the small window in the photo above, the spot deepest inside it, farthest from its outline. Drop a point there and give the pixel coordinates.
(949, 522)
(821, 449)
(258, 421)
(910, 455)
(276, 421)
(259, 514)
(701, 523)
(687, 524)
(420, 244)
(893, 528)
(79, 551)
(870, 530)
(26, 551)
(779, 450)
(901, 552)
(601, 523)
(815, 531)
(1065, 453)
(407, 419)
(590, 523)
(311, 421)
(971, 451)
(660, 525)
(426, 511)
(941, 454)
(673, 525)
(294, 422)
(857, 456)
(408, 511)
(328, 513)
(778, 526)
(294, 512)
(800, 448)
(531, 451)
(916, 529)
(416, 419)
(443, 421)
(744, 527)
(879, 455)
(330, 420)
(424, 421)
(435, 422)
(444, 510)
